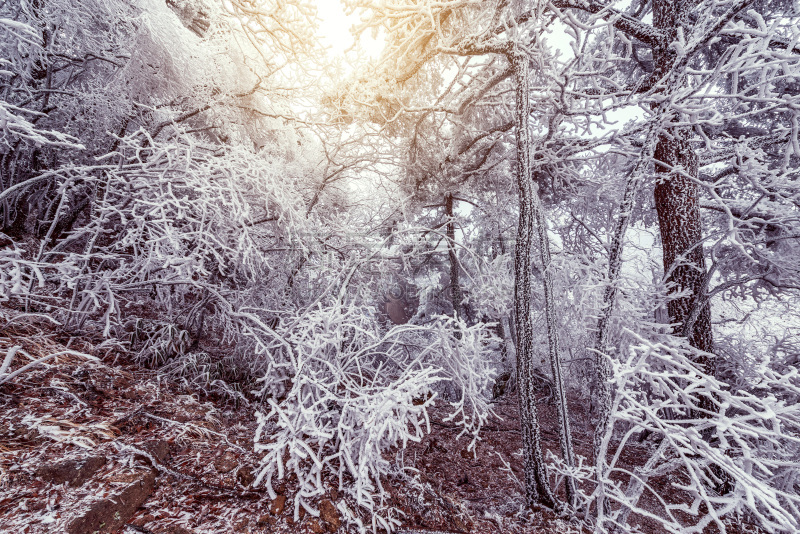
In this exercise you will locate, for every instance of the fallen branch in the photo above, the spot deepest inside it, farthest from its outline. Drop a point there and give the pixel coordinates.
(13, 351)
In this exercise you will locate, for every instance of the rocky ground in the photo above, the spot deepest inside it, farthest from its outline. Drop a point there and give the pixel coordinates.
(107, 446)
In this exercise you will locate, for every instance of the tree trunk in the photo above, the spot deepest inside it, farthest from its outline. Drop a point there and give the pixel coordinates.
(530, 217)
(456, 296)
(678, 207)
(677, 201)
(537, 487)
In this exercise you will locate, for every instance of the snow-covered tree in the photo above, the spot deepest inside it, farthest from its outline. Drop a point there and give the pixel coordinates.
(174, 174)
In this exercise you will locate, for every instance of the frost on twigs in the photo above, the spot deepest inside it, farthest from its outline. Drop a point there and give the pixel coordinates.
(750, 443)
(16, 273)
(466, 364)
(352, 393)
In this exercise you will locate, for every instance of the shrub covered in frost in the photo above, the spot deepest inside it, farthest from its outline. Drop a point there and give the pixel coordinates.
(738, 458)
(343, 393)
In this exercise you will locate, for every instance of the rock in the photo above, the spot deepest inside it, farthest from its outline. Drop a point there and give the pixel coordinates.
(245, 476)
(315, 526)
(226, 463)
(264, 520)
(111, 513)
(276, 508)
(329, 514)
(141, 521)
(241, 525)
(157, 448)
(334, 494)
(123, 478)
(73, 471)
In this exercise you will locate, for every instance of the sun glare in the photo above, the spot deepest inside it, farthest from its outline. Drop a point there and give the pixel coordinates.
(335, 26)
(334, 29)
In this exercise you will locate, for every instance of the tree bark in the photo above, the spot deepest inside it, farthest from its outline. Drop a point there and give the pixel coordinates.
(678, 207)
(531, 217)
(456, 296)
(537, 487)
(677, 199)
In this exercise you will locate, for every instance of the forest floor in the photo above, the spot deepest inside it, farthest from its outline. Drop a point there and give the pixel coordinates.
(108, 446)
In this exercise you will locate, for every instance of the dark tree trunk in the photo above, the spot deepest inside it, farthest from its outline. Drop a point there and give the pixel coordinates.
(456, 296)
(677, 200)
(678, 207)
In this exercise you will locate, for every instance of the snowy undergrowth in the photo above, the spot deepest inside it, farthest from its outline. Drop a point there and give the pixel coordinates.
(749, 441)
(16, 273)
(345, 392)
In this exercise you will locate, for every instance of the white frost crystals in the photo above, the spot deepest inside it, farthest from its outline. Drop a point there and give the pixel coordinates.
(749, 443)
(353, 393)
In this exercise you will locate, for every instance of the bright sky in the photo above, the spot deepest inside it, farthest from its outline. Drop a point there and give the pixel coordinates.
(335, 27)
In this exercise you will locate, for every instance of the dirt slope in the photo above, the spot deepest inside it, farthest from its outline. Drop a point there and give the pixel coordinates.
(106, 446)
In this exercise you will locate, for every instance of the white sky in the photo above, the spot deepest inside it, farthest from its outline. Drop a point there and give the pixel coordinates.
(334, 29)
(335, 25)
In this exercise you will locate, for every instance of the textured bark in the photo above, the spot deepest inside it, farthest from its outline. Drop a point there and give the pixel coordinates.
(537, 488)
(678, 207)
(531, 217)
(677, 199)
(456, 296)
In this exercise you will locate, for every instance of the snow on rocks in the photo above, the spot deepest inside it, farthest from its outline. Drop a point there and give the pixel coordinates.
(74, 471)
(111, 513)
